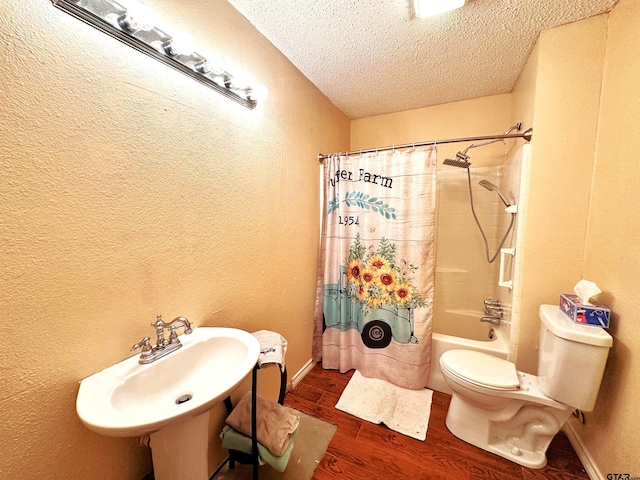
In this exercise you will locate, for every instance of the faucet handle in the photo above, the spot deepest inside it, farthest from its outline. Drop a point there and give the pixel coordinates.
(494, 310)
(159, 322)
(144, 344)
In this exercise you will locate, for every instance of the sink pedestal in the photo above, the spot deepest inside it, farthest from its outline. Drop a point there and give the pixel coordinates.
(180, 450)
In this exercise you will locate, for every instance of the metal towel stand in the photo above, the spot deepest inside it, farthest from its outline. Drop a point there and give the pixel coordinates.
(241, 457)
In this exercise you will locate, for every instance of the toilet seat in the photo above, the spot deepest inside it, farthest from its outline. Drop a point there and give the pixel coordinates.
(481, 369)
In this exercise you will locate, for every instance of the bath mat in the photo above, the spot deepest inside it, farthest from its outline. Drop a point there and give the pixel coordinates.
(311, 443)
(376, 401)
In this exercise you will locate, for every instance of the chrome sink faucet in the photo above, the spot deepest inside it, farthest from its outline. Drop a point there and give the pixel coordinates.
(163, 346)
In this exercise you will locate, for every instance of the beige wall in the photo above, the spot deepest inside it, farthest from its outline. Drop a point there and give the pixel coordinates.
(612, 249)
(127, 190)
(568, 71)
(523, 95)
(580, 86)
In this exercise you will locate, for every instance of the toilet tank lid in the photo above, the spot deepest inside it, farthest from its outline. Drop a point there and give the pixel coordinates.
(561, 326)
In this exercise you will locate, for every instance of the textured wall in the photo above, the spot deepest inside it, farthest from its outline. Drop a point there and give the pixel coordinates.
(612, 250)
(580, 85)
(127, 190)
(566, 104)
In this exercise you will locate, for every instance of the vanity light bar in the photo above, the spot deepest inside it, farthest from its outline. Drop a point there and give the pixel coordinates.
(113, 19)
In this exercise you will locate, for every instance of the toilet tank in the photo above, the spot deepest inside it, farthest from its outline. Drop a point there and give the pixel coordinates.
(571, 359)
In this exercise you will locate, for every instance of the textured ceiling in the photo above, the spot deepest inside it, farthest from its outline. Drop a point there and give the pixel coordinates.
(372, 57)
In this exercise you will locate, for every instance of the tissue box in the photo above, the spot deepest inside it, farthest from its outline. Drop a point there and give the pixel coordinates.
(594, 313)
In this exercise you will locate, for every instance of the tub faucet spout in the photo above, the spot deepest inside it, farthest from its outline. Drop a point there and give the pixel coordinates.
(491, 319)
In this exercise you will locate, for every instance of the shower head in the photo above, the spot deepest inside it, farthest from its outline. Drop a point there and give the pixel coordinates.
(490, 186)
(461, 161)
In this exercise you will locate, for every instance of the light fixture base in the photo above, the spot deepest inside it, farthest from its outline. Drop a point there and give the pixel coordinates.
(106, 15)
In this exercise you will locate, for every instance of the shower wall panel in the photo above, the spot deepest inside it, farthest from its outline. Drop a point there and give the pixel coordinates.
(464, 278)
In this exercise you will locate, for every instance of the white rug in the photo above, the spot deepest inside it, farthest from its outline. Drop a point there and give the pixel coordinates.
(376, 401)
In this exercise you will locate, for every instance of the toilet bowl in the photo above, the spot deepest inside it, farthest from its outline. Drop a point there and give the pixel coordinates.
(508, 416)
(515, 414)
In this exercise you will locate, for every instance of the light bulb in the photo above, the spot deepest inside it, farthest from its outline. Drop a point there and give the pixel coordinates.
(239, 81)
(180, 44)
(258, 93)
(214, 65)
(203, 67)
(138, 17)
(222, 80)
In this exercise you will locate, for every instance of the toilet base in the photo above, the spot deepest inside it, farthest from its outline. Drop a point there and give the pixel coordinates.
(520, 432)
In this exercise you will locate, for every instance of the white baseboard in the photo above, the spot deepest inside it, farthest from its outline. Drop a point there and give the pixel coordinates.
(581, 450)
(297, 378)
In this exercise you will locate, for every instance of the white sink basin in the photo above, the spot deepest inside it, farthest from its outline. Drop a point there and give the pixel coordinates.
(129, 399)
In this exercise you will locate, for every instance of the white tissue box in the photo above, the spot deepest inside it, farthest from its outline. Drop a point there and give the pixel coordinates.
(592, 313)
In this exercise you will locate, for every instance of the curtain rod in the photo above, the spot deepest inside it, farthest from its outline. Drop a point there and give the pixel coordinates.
(527, 135)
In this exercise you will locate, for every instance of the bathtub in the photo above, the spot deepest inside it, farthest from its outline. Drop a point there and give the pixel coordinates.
(440, 343)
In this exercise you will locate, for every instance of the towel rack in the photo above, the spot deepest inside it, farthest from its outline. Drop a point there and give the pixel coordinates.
(241, 457)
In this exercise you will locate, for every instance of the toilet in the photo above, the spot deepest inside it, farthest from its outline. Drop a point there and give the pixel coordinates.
(514, 414)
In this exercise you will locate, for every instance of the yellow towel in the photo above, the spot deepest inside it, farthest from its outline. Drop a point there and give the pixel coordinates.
(274, 424)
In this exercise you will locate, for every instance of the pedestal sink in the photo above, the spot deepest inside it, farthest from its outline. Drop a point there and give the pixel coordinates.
(170, 398)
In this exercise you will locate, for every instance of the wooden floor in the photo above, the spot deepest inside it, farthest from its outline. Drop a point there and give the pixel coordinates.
(362, 450)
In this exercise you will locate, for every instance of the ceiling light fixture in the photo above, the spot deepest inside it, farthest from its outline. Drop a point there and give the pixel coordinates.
(132, 27)
(429, 8)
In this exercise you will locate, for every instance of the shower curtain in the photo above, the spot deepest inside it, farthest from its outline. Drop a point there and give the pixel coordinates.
(376, 266)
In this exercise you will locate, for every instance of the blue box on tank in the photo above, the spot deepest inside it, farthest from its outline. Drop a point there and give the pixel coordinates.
(592, 313)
